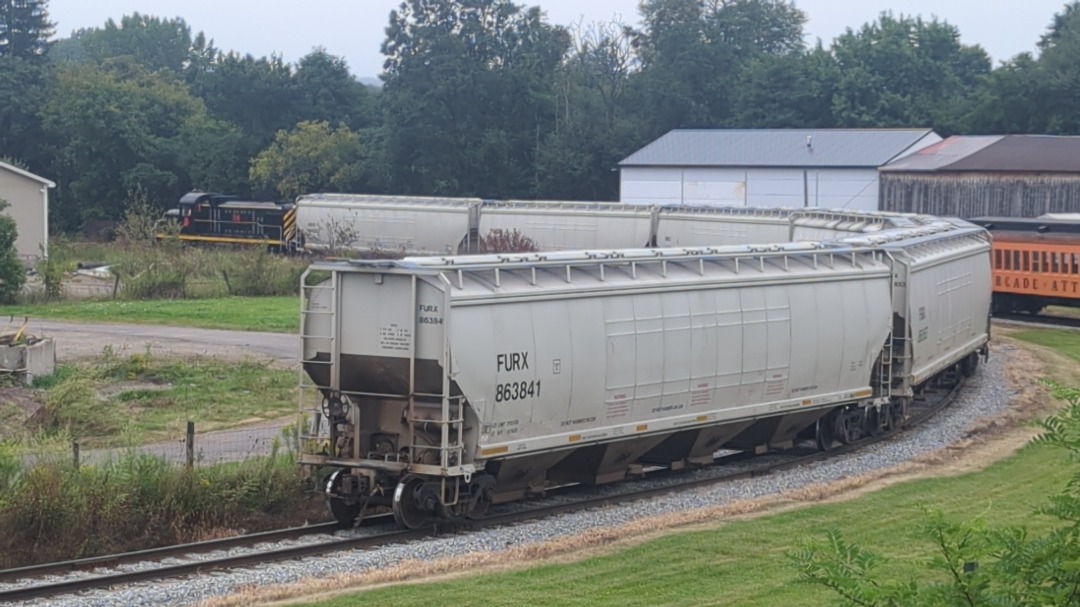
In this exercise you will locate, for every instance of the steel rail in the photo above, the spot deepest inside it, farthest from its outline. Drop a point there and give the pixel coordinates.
(927, 410)
(150, 554)
(1038, 320)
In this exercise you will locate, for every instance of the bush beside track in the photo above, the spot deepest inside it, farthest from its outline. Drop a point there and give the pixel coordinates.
(52, 512)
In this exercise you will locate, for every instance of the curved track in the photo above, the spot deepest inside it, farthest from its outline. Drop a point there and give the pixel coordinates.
(921, 411)
(1040, 320)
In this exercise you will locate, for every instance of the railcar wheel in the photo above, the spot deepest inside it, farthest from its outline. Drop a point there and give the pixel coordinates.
(410, 497)
(343, 512)
(823, 432)
(847, 427)
(483, 489)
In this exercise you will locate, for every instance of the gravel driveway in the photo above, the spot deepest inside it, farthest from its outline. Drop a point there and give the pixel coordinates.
(79, 340)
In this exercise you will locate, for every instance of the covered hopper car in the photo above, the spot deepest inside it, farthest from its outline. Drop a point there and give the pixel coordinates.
(1036, 262)
(447, 384)
(401, 225)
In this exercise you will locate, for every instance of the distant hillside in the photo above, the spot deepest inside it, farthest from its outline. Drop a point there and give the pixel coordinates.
(370, 81)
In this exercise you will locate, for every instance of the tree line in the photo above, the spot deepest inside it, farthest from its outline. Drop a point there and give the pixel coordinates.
(482, 98)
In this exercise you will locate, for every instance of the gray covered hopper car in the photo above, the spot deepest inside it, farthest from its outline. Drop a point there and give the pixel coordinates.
(403, 225)
(450, 383)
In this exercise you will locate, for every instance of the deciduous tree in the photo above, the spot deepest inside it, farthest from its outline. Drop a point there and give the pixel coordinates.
(905, 72)
(313, 157)
(468, 96)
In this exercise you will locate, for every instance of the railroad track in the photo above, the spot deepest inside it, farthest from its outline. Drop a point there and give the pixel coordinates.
(1040, 320)
(921, 411)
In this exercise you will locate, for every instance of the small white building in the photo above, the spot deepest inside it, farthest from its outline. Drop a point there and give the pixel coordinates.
(27, 196)
(826, 168)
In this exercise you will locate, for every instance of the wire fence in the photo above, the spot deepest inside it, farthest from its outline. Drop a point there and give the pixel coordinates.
(193, 449)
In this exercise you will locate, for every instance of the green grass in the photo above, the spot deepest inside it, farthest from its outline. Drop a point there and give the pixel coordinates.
(744, 563)
(115, 400)
(271, 314)
(1064, 342)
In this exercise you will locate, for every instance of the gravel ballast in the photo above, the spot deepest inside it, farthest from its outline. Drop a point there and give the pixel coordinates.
(987, 395)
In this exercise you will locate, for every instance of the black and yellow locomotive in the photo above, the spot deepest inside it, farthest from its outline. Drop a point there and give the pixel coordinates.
(203, 217)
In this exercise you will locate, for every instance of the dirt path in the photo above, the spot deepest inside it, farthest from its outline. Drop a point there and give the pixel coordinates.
(78, 341)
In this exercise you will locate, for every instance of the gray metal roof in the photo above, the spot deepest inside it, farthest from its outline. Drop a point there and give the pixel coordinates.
(778, 147)
(1000, 154)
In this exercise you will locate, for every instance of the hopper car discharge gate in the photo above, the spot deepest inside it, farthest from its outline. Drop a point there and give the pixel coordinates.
(391, 419)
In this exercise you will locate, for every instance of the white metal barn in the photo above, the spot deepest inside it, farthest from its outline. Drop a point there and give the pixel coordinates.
(790, 168)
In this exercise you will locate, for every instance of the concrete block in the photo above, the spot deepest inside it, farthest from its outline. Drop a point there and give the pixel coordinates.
(27, 361)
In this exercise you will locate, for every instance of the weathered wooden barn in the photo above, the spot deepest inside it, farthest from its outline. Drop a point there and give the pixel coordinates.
(973, 176)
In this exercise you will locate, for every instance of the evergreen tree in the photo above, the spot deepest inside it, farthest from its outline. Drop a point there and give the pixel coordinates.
(24, 28)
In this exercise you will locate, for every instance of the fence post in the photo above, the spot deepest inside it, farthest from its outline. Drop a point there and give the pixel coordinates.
(228, 286)
(116, 286)
(190, 443)
(75, 452)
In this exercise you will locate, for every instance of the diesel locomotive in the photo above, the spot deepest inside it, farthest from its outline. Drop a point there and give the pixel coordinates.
(222, 219)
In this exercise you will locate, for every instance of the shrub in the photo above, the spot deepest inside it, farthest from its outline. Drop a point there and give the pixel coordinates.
(12, 272)
(507, 241)
(51, 511)
(54, 269)
(261, 273)
(73, 406)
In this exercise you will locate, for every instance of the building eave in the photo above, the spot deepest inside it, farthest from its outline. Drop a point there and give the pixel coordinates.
(27, 174)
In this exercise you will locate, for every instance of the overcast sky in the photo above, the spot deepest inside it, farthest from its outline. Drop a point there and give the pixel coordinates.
(353, 29)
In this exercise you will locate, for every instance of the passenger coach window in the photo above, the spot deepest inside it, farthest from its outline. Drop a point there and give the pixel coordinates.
(997, 259)
(1027, 266)
(1054, 267)
(1035, 261)
(1075, 263)
(1016, 260)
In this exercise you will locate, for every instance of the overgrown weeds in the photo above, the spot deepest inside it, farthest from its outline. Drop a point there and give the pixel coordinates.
(114, 399)
(153, 268)
(52, 511)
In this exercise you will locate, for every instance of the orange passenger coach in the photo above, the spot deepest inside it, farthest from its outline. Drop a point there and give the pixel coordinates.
(1036, 262)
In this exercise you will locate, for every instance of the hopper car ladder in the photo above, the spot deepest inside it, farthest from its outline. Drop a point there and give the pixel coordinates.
(311, 416)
